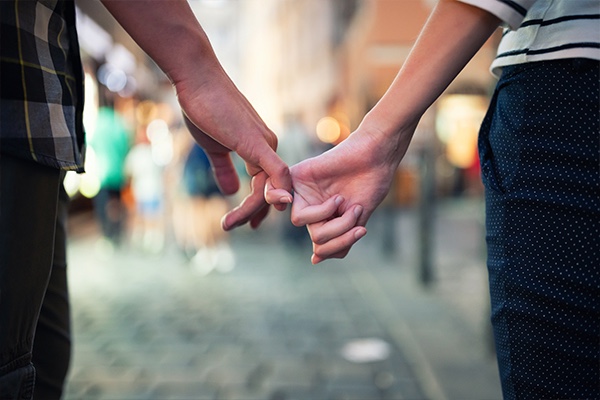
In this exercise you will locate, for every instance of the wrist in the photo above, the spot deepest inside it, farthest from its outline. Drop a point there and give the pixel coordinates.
(377, 147)
(393, 135)
(198, 62)
(212, 102)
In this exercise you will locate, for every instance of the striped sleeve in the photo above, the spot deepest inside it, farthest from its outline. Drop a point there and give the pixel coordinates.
(512, 12)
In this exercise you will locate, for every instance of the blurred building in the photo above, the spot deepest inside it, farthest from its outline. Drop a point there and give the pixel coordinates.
(333, 59)
(449, 129)
(394, 27)
(294, 61)
(321, 64)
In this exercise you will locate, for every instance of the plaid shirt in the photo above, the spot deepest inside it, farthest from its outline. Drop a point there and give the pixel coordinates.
(41, 83)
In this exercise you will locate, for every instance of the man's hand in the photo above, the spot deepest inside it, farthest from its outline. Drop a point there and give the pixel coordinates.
(253, 208)
(217, 109)
(170, 34)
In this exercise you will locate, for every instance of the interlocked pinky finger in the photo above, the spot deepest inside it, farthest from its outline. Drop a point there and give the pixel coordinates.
(279, 198)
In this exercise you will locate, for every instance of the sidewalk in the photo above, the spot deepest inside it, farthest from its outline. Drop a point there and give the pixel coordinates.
(278, 328)
(443, 327)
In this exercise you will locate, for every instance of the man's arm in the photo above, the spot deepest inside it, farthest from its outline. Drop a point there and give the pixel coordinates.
(171, 35)
(361, 168)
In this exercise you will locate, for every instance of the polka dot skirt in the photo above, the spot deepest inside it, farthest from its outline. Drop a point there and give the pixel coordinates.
(540, 157)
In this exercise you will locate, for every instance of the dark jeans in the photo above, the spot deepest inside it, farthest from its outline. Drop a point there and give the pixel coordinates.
(35, 343)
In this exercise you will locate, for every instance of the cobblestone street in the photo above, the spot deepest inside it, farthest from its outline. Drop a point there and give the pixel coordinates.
(277, 328)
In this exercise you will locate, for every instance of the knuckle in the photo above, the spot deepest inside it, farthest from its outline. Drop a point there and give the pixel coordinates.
(297, 221)
(282, 170)
(318, 238)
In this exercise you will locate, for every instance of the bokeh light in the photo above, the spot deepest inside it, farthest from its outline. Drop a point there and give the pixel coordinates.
(328, 130)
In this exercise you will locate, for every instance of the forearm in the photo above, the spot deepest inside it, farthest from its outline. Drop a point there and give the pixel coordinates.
(169, 33)
(452, 35)
(172, 36)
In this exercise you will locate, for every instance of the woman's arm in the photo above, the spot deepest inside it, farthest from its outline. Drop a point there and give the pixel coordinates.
(451, 36)
(361, 168)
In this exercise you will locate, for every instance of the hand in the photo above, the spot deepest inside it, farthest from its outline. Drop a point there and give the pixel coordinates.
(253, 208)
(208, 98)
(253, 141)
(336, 193)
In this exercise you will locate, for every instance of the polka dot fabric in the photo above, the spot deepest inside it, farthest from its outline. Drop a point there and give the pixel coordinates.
(540, 157)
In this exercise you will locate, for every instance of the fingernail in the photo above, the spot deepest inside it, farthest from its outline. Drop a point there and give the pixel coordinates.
(357, 211)
(360, 233)
(338, 200)
(224, 223)
(227, 227)
(285, 199)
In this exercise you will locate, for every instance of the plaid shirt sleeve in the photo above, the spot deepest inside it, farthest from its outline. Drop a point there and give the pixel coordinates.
(41, 83)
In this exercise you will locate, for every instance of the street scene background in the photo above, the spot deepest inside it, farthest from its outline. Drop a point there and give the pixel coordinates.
(165, 305)
(152, 326)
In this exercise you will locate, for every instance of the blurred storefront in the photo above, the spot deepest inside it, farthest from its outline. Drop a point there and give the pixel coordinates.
(295, 65)
(119, 76)
(323, 64)
(312, 69)
(448, 131)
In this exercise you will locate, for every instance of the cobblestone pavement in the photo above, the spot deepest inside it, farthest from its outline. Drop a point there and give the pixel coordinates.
(277, 328)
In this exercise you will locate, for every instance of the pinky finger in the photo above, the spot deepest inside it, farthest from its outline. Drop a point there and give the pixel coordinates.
(277, 197)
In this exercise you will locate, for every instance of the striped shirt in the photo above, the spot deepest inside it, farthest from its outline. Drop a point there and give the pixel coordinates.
(41, 83)
(544, 29)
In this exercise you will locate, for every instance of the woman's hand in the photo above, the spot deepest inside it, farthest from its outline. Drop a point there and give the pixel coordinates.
(336, 192)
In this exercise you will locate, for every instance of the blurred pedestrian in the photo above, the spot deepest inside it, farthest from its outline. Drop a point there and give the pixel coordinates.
(41, 136)
(177, 199)
(540, 155)
(110, 143)
(206, 207)
(146, 182)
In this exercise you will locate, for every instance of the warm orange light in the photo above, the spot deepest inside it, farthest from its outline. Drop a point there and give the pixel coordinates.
(328, 130)
(457, 124)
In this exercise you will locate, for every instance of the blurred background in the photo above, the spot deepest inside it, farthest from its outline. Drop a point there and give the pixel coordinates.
(167, 306)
